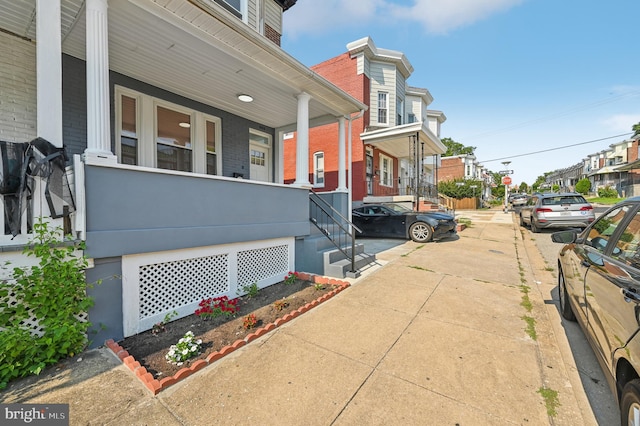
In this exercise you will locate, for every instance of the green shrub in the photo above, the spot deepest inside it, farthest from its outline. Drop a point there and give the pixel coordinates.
(607, 192)
(53, 293)
(583, 186)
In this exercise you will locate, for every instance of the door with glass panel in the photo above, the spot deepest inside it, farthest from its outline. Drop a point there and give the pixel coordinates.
(260, 157)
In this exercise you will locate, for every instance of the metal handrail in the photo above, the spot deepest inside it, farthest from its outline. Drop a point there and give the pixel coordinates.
(323, 216)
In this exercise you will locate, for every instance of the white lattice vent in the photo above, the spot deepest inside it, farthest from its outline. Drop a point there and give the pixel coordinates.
(31, 323)
(258, 264)
(164, 286)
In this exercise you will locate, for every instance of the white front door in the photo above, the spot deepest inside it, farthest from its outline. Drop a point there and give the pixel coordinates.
(260, 163)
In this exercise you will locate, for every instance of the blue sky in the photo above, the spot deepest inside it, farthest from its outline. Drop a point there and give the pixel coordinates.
(513, 77)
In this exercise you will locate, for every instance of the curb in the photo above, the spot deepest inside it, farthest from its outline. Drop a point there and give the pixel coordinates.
(156, 386)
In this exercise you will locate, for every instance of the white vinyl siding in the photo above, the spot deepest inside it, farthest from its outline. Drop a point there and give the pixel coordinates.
(273, 15)
(383, 79)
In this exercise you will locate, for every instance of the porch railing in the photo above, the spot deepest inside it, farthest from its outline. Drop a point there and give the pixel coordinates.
(337, 228)
(405, 186)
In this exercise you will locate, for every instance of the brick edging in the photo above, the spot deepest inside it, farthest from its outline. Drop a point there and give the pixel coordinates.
(156, 386)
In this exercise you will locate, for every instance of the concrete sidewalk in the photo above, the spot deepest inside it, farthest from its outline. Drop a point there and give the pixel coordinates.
(436, 335)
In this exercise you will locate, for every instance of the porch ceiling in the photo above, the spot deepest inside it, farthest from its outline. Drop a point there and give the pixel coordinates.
(398, 141)
(196, 49)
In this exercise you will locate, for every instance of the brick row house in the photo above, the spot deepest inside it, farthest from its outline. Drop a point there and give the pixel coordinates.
(173, 116)
(393, 147)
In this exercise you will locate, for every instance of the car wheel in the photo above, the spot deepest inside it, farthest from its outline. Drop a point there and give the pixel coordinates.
(630, 403)
(534, 227)
(565, 306)
(521, 221)
(420, 232)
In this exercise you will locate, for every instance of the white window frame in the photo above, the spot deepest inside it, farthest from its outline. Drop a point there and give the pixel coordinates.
(318, 172)
(383, 107)
(386, 170)
(147, 129)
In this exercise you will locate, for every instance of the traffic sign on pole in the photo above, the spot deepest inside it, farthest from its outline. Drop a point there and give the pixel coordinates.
(506, 180)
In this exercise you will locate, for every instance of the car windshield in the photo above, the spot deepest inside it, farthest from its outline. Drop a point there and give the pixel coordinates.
(397, 208)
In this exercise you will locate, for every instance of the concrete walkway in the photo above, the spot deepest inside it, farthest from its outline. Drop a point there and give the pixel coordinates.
(437, 334)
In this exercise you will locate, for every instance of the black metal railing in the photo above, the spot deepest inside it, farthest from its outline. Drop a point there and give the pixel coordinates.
(405, 186)
(337, 228)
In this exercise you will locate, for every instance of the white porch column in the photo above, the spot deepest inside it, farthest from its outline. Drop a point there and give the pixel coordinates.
(302, 143)
(98, 128)
(342, 168)
(49, 71)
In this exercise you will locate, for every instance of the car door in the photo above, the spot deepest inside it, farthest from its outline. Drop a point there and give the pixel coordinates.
(362, 218)
(527, 208)
(384, 222)
(612, 290)
(587, 255)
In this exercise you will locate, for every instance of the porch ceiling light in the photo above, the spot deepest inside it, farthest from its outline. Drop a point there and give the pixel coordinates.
(184, 124)
(245, 98)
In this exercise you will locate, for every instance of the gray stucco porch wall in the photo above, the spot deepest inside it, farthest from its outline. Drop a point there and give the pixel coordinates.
(133, 210)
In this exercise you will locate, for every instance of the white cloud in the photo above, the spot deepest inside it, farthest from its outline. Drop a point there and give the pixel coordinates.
(435, 16)
(442, 16)
(622, 123)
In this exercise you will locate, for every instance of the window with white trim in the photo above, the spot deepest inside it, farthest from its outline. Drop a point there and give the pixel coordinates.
(412, 118)
(152, 132)
(318, 169)
(383, 108)
(386, 170)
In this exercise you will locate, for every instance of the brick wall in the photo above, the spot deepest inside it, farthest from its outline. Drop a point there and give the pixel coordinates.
(18, 94)
(341, 71)
(272, 34)
(451, 169)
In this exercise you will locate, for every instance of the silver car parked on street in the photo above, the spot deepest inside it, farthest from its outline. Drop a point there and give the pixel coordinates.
(564, 210)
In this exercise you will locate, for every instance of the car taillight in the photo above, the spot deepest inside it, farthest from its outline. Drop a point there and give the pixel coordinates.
(541, 210)
(585, 208)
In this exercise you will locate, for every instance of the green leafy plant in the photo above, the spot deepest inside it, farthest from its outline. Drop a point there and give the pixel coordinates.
(251, 290)
(187, 347)
(291, 278)
(249, 322)
(318, 286)
(214, 307)
(607, 192)
(52, 295)
(159, 327)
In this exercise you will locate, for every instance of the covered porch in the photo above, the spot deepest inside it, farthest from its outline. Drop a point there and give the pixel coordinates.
(417, 150)
(174, 112)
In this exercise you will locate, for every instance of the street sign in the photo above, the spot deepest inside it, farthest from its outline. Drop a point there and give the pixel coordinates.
(506, 180)
(506, 172)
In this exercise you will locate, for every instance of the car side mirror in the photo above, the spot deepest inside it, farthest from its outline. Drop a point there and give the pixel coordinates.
(564, 237)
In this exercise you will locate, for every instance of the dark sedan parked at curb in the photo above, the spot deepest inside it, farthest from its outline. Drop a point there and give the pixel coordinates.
(599, 287)
(396, 221)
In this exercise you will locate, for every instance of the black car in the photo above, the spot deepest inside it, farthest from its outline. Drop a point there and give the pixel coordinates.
(397, 221)
(599, 287)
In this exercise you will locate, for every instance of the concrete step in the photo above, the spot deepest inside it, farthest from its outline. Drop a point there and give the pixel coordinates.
(338, 266)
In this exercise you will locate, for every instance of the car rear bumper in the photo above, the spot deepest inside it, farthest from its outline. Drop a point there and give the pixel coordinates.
(563, 223)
